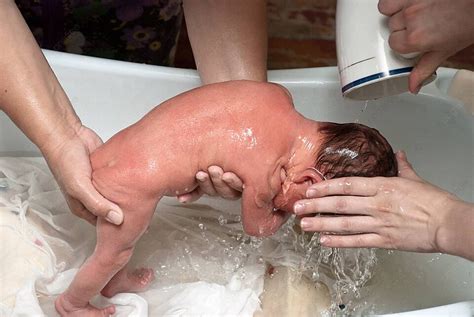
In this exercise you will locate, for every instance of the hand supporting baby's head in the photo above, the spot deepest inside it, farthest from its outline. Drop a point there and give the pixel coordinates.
(348, 149)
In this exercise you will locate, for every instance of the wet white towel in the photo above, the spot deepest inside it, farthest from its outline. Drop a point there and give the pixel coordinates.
(199, 267)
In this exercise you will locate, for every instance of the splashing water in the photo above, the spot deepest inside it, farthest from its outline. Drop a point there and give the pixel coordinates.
(344, 271)
(218, 240)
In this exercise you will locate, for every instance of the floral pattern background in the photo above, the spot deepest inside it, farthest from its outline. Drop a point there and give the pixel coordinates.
(144, 31)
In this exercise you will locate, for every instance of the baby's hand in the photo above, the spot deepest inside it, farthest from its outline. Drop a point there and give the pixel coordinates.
(215, 182)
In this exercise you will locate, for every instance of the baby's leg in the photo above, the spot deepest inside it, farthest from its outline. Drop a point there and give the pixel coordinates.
(113, 250)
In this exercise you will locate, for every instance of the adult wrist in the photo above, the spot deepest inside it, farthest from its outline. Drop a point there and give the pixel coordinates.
(55, 138)
(456, 231)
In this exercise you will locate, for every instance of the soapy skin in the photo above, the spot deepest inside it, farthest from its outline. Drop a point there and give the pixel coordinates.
(248, 128)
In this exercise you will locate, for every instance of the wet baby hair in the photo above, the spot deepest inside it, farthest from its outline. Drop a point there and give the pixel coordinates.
(352, 149)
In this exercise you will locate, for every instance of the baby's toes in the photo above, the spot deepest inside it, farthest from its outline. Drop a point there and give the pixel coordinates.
(143, 276)
(107, 311)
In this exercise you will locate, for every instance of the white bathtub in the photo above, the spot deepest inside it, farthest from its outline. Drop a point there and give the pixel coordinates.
(434, 130)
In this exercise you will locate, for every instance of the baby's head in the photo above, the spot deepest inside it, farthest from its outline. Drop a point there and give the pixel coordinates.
(348, 149)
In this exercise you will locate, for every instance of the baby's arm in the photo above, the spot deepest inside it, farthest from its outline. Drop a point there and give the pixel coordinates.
(114, 248)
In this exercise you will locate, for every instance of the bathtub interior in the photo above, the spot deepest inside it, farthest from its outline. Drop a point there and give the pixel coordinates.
(434, 130)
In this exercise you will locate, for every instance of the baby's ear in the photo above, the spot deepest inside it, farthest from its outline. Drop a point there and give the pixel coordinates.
(310, 175)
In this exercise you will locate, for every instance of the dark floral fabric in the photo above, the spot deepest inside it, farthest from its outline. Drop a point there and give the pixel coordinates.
(143, 31)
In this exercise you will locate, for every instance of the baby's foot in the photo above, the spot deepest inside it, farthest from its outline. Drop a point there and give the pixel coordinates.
(124, 281)
(65, 308)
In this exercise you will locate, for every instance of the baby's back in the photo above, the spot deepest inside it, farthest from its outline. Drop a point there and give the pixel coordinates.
(231, 124)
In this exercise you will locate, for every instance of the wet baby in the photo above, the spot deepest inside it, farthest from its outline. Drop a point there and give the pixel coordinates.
(248, 128)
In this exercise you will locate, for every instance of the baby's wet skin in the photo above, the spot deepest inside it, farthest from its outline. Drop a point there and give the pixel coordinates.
(151, 159)
(214, 125)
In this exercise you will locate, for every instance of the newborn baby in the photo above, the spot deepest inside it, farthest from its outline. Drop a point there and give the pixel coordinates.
(249, 128)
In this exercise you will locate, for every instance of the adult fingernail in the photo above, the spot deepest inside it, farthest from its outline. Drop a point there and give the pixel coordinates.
(298, 208)
(228, 179)
(201, 176)
(183, 200)
(214, 173)
(114, 217)
(304, 223)
(323, 239)
(311, 192)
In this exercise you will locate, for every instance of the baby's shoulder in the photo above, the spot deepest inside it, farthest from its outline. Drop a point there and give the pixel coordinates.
(262, 88)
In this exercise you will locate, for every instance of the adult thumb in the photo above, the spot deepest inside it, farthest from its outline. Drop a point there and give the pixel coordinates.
(98, 205)
(426, 66)
(405, 169)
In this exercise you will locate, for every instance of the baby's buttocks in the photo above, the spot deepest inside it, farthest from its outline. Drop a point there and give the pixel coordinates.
(115, 172)
(109, 181)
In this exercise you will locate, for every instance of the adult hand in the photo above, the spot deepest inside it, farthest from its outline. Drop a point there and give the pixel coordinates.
(437, 28)
(70, 164)
(35, 101)
(215, 182)
(403, 213)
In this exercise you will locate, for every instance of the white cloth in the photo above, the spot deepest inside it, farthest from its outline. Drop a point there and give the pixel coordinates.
(196, 251)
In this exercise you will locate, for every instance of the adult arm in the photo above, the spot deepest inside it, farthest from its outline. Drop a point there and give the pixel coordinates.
(436, 28)
(228, 38)
(402, 213)
(32, 97)
(229, 42)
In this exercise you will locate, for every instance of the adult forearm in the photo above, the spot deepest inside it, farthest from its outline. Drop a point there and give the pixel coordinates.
(228, 38)
(456, 233)
(30, 93)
